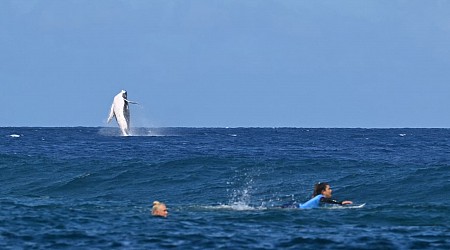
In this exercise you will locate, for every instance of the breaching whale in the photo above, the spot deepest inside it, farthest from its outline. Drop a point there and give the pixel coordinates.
(121, 111)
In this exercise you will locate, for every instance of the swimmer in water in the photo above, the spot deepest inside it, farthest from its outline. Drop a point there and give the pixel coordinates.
(322, 195)
(159, 209)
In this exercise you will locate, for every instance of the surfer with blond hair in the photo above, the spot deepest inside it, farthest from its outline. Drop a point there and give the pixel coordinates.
(159, 209)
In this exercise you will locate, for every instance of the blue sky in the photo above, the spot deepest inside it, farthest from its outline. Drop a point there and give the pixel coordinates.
(210, 63)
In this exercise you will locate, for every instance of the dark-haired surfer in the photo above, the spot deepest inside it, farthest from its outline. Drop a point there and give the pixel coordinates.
(322, 195)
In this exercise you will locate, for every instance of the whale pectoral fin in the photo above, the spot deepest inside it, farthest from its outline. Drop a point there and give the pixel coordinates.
(130, 101)
(111, 113)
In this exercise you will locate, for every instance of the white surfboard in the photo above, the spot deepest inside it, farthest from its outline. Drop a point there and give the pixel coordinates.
(345, 206)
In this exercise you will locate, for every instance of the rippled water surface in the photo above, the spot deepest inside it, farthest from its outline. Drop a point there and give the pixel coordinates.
(72, 188)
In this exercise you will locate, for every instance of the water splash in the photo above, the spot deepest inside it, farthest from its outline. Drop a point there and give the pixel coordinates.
(241, 197)
(134, 132)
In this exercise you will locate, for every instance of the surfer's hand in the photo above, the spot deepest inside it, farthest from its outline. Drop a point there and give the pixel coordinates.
(347, 202)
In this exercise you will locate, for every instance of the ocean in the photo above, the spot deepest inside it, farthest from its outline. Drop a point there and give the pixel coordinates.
(90, 188)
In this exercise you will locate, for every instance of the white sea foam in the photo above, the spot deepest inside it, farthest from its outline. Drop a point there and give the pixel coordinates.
(135, 132)
(235, 206)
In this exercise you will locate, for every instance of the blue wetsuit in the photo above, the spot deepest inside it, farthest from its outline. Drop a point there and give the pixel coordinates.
(317, 201)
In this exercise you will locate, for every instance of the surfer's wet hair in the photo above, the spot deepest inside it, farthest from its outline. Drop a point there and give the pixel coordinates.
(319, 188)
(156, 205)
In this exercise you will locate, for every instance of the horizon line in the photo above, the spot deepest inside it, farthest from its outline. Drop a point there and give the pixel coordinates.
(230, 127)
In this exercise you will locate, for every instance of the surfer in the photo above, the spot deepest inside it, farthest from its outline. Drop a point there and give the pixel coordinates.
(159, 209)
(322, 195)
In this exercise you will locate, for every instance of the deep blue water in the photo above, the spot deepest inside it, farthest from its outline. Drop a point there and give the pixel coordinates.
(88, 188)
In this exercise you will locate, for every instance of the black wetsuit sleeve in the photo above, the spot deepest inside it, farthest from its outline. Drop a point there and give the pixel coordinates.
(330, 201)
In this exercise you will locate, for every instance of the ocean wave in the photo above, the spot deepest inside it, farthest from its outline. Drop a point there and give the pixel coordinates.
(87, 188)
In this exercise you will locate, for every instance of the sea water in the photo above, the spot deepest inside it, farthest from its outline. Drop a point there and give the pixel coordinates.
(90, 188)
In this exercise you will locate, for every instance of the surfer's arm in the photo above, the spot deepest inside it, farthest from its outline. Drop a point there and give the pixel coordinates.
(331, 201)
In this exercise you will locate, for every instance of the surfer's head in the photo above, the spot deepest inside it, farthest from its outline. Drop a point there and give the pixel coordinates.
(159, 209)
(322, 188)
